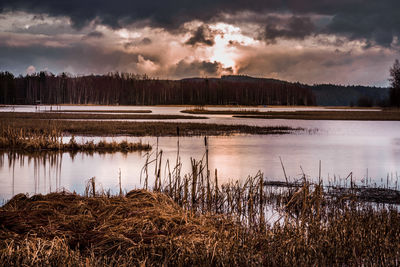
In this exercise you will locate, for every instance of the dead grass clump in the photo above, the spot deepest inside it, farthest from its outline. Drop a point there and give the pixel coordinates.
(151, 229)
(141, 227)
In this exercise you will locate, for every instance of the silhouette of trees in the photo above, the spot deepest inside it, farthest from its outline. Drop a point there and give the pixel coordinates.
(7, 88)
(395, 84)
(130, 89)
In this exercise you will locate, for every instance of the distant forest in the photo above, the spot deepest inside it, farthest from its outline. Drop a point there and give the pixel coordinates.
(130, 89)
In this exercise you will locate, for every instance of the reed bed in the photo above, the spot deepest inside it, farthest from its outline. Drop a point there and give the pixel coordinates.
(100, 111)
(136, 128)
(204, 111)
(370, 114)
(191, 219)
(88, 115)
(151, 228)
(52, 140)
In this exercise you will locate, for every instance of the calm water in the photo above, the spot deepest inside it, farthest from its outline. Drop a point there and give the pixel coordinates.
(363, 147)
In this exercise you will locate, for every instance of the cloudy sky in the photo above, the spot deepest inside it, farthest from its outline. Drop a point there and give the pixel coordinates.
(325, 41)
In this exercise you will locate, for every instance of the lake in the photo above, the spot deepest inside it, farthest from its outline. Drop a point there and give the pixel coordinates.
(365, 148)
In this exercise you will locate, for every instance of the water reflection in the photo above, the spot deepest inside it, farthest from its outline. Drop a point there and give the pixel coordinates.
(372, 158)
(45, 166)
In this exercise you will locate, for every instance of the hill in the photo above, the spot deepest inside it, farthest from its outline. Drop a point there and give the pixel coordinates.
(325, 94)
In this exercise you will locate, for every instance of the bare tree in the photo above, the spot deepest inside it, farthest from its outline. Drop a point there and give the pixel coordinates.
(395, 84)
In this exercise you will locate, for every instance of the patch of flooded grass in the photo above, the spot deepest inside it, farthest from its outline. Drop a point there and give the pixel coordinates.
(95, 116)
(372, 114)
(136, 128)
(52, 140)
(101, 111)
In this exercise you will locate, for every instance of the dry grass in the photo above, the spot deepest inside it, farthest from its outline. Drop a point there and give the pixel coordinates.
(145, 228)
(205, 111)
(135, 128)
(384, 115)
(142, 227)
(52, 140)
(92, 116)
(102, 111)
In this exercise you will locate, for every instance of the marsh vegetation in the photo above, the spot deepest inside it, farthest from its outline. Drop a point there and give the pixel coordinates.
(47, 122)
(52, 140)
(94, 116)
(99, 111)
(372, 114)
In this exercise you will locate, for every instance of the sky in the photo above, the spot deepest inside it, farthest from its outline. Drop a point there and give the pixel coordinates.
(343, 41)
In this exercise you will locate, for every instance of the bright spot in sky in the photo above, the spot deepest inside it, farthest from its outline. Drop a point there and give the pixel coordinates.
(224, 50)
(222, 53)
(125, 34)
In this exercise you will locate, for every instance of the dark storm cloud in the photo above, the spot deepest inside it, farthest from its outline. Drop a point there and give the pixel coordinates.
(291, 28)
(202, 35)
(45, 29)
(376, 20)
(77, 59)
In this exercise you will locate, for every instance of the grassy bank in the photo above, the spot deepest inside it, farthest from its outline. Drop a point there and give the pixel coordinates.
(101, 111)
(243, 110)
(28, 140)
(384, 115)
(134, 128)
(88, 116)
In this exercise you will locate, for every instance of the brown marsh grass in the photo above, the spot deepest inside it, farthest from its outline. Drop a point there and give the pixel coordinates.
(371, 114)
(136, 128)
(151, 228)
(52, 140)
(205, 111)
(92, 116)
(101, 111)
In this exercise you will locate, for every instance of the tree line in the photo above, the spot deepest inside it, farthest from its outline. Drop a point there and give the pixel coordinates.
(130, 89)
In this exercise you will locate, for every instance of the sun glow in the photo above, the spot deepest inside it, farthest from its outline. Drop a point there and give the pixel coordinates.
(223, 53)
(228, 38)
